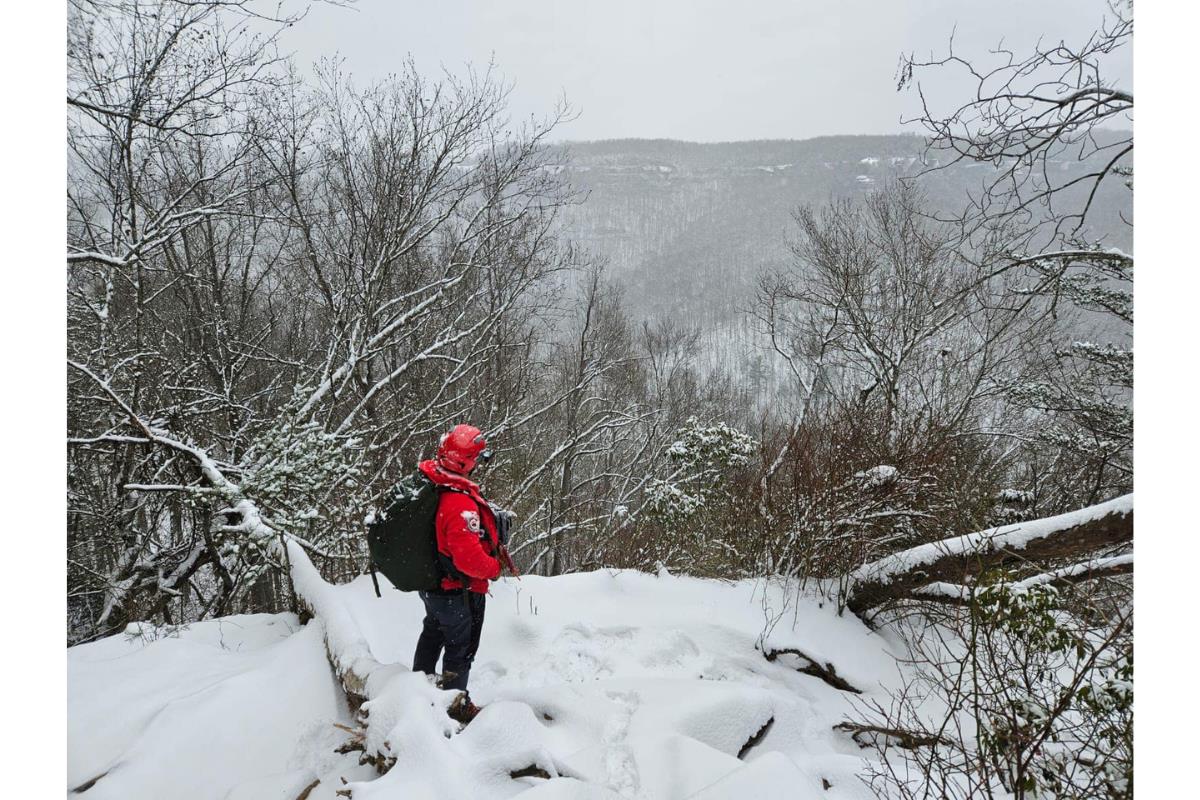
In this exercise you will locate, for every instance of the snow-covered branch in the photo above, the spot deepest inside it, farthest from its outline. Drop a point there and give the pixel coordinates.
(958, 594)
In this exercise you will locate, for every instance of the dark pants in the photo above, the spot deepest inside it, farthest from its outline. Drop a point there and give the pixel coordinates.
(452, 622)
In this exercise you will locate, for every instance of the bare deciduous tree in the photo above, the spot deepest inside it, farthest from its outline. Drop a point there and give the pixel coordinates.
(1027, 113)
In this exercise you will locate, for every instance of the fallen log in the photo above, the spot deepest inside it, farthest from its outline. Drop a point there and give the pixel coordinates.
(348, 651)
(307, 790)
(756, 739)
(957, 594)
(956, 559)
(380, 694)
(909, 740)
(813, 667)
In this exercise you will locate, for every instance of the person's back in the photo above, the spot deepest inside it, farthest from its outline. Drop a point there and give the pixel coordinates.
(469, 550)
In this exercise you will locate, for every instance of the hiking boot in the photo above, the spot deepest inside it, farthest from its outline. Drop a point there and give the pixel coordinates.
(463, 710)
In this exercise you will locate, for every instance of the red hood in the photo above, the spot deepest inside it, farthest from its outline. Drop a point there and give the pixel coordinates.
(443, 477)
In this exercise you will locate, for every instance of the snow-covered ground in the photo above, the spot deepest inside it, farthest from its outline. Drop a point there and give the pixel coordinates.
(623, 684)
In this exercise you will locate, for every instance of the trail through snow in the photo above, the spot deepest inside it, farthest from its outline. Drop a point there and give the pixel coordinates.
(619, 684)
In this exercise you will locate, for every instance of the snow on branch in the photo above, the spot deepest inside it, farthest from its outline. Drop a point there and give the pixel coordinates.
(348, 650)
(958, 594)
(938, 565)
(1077, 573)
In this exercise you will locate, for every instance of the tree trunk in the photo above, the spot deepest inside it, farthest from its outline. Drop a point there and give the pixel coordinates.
(955, 560)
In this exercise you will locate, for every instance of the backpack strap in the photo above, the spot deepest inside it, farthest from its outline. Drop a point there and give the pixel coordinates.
(444, 561)
(374, 577)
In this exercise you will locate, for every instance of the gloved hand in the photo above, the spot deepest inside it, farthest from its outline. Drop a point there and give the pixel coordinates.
(504, 521)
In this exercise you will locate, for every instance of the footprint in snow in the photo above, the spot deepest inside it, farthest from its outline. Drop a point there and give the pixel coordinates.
(620, 767)
(674, 651)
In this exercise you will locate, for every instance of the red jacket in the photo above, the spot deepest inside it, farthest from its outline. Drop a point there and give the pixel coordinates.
(466, 529)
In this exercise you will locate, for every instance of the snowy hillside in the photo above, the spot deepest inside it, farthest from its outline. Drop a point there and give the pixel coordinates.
(689, 227)
(620, 684)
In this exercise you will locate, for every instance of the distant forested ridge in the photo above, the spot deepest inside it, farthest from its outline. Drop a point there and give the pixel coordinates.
(688, 227)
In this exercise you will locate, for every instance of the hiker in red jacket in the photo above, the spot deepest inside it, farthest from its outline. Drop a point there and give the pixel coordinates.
(470, 542)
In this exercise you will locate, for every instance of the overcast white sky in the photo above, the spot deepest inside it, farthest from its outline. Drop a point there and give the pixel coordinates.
(701, 70)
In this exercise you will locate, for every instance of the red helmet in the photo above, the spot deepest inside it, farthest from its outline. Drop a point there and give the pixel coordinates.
(459, 449)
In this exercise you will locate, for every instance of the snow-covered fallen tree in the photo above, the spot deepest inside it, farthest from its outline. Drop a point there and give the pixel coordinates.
(933, 570)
